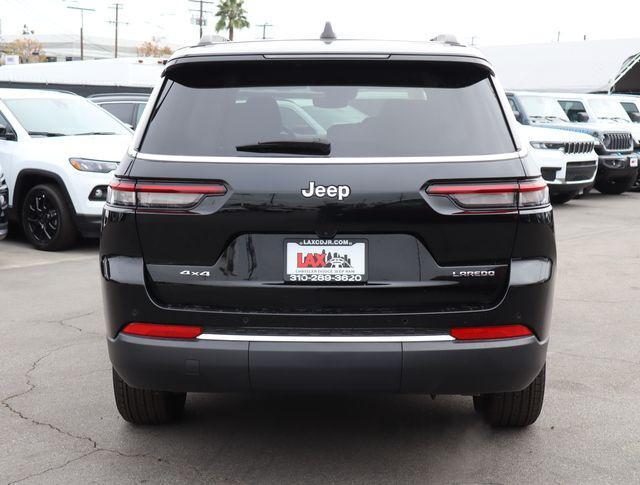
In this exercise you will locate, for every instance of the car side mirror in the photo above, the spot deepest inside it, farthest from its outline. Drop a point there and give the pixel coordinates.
(518, 116)
(635, 117)
(6, 134)
(582, 117)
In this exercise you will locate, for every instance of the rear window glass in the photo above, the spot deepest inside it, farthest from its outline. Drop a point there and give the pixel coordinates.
(355, 109)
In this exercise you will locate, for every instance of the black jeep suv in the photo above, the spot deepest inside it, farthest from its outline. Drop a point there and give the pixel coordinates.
(328, 216)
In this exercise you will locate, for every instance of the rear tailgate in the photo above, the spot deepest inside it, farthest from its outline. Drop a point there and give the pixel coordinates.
(229, 256)
(385, 129)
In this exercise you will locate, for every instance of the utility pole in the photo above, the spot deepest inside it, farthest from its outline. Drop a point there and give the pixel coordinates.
(264, 29)
(200, 20)
(116, 22)
(82, 11)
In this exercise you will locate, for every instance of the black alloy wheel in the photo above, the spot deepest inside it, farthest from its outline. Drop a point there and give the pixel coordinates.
(42, 217)
(47, 219)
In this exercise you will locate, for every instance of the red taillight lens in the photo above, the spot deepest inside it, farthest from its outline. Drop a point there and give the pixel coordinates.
(162, 331)
(502, 196)
(490, 333)
(160, 195)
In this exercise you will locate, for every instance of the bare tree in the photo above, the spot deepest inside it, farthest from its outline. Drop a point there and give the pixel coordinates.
(29, 50)
(152, 49)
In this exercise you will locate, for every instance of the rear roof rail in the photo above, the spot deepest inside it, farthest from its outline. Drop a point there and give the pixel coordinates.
(448, 39)
(116, 93)
(208, 39)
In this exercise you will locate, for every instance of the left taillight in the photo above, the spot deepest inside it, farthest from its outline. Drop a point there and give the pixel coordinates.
(495, 197)
(160, 195)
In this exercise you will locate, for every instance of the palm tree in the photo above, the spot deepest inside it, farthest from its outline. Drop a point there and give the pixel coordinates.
(232, 16)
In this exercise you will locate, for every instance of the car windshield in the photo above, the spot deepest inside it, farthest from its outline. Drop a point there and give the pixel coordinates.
(66, 116)
(632, 110)
(609, 109)
(542, 110)
(327, 109)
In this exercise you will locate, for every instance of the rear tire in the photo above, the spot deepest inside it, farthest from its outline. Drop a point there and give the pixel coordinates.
(513, 409)
(563, 198)
(143, 406)
(47, 220)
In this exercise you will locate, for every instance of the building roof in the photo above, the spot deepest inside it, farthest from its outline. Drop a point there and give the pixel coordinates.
(8, 93)
(126, 71)
(588, 66)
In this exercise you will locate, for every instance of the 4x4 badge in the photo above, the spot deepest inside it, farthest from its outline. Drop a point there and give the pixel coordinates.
(332, 191)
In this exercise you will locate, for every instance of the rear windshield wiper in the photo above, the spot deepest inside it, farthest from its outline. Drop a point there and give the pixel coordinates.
(289, 147)
(45, 133)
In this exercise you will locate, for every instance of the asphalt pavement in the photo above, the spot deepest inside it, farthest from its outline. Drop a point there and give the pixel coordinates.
(59, 424)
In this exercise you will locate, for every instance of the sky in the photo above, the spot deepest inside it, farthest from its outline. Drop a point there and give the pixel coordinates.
(481, 22)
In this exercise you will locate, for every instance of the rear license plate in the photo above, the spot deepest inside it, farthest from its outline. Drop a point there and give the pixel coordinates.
(320, 261)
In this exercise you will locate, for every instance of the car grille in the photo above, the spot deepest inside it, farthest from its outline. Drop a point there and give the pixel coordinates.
(617, 141)
(577, 171)
(578, 147)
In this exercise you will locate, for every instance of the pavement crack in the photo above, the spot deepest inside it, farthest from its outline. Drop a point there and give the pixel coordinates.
(607, 359)
(30, 387)
(105, 450)
(52, 468)
(65, 322)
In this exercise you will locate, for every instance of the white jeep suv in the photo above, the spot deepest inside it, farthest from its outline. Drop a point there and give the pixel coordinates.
(567, 160)
(57, 151)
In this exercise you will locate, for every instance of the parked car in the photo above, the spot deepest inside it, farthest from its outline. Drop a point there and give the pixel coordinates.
(4, 206)
(409, 251)
(58, 151)
(631, 104)
(617, 161)
(567, 160)
(127, 107)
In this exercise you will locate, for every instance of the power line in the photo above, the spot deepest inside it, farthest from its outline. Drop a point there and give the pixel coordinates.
(264, 26)
(116, 22)
(82, 11)
(200, 20)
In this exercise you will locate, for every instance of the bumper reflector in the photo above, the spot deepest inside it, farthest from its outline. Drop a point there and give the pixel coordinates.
(529, 271)
(162, 331)
(490, 333)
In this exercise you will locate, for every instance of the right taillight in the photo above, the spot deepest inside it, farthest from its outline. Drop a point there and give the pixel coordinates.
(160, 195)
(494, 197)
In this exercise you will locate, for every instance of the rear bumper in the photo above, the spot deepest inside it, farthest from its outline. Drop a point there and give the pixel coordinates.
(450, 367)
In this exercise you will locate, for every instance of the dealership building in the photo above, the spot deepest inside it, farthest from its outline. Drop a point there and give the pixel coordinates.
(591, 66)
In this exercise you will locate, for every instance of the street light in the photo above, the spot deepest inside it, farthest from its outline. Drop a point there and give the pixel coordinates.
(82, 11)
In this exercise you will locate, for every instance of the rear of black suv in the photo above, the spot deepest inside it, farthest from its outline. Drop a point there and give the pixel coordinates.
(313, 224)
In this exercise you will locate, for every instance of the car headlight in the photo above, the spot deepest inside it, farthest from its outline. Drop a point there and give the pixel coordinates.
(543, 145)
(85, 165)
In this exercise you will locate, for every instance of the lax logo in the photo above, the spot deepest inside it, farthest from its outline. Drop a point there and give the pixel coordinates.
(323, 260)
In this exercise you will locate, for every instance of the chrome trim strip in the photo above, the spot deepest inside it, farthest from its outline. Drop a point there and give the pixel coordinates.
(326, 161)
(325, 339)
(322, 56)
(539, 210)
